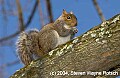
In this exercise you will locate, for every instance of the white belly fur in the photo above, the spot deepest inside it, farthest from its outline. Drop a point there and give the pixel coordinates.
(61, 40)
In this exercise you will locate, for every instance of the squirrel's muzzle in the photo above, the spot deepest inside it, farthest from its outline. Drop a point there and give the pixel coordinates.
(76, 24)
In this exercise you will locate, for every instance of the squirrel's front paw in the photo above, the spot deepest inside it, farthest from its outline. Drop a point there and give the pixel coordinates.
(75, 30)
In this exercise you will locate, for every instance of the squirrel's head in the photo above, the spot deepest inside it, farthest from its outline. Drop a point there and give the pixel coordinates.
(69, 18)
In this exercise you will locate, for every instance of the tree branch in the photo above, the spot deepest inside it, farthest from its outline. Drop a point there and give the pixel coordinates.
(49, 8)
(97, 50)
(99, 10)
(41, 15)
(20, 15)
(26, 25)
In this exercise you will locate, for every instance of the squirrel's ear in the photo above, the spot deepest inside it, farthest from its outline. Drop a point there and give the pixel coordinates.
(71, 12)
(64, 12)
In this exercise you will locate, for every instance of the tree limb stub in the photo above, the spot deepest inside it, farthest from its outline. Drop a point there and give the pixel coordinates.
(96, 50)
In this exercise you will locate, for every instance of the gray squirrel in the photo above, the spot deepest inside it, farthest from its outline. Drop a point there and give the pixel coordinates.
(36, 44)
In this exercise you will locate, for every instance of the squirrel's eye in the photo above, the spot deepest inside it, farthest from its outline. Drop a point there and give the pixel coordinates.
(68, 17)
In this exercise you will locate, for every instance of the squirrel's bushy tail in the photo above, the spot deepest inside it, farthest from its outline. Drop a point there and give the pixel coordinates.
(23, 48)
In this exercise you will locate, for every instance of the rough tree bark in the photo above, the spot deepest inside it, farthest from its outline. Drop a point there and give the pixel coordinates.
(96, 50)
